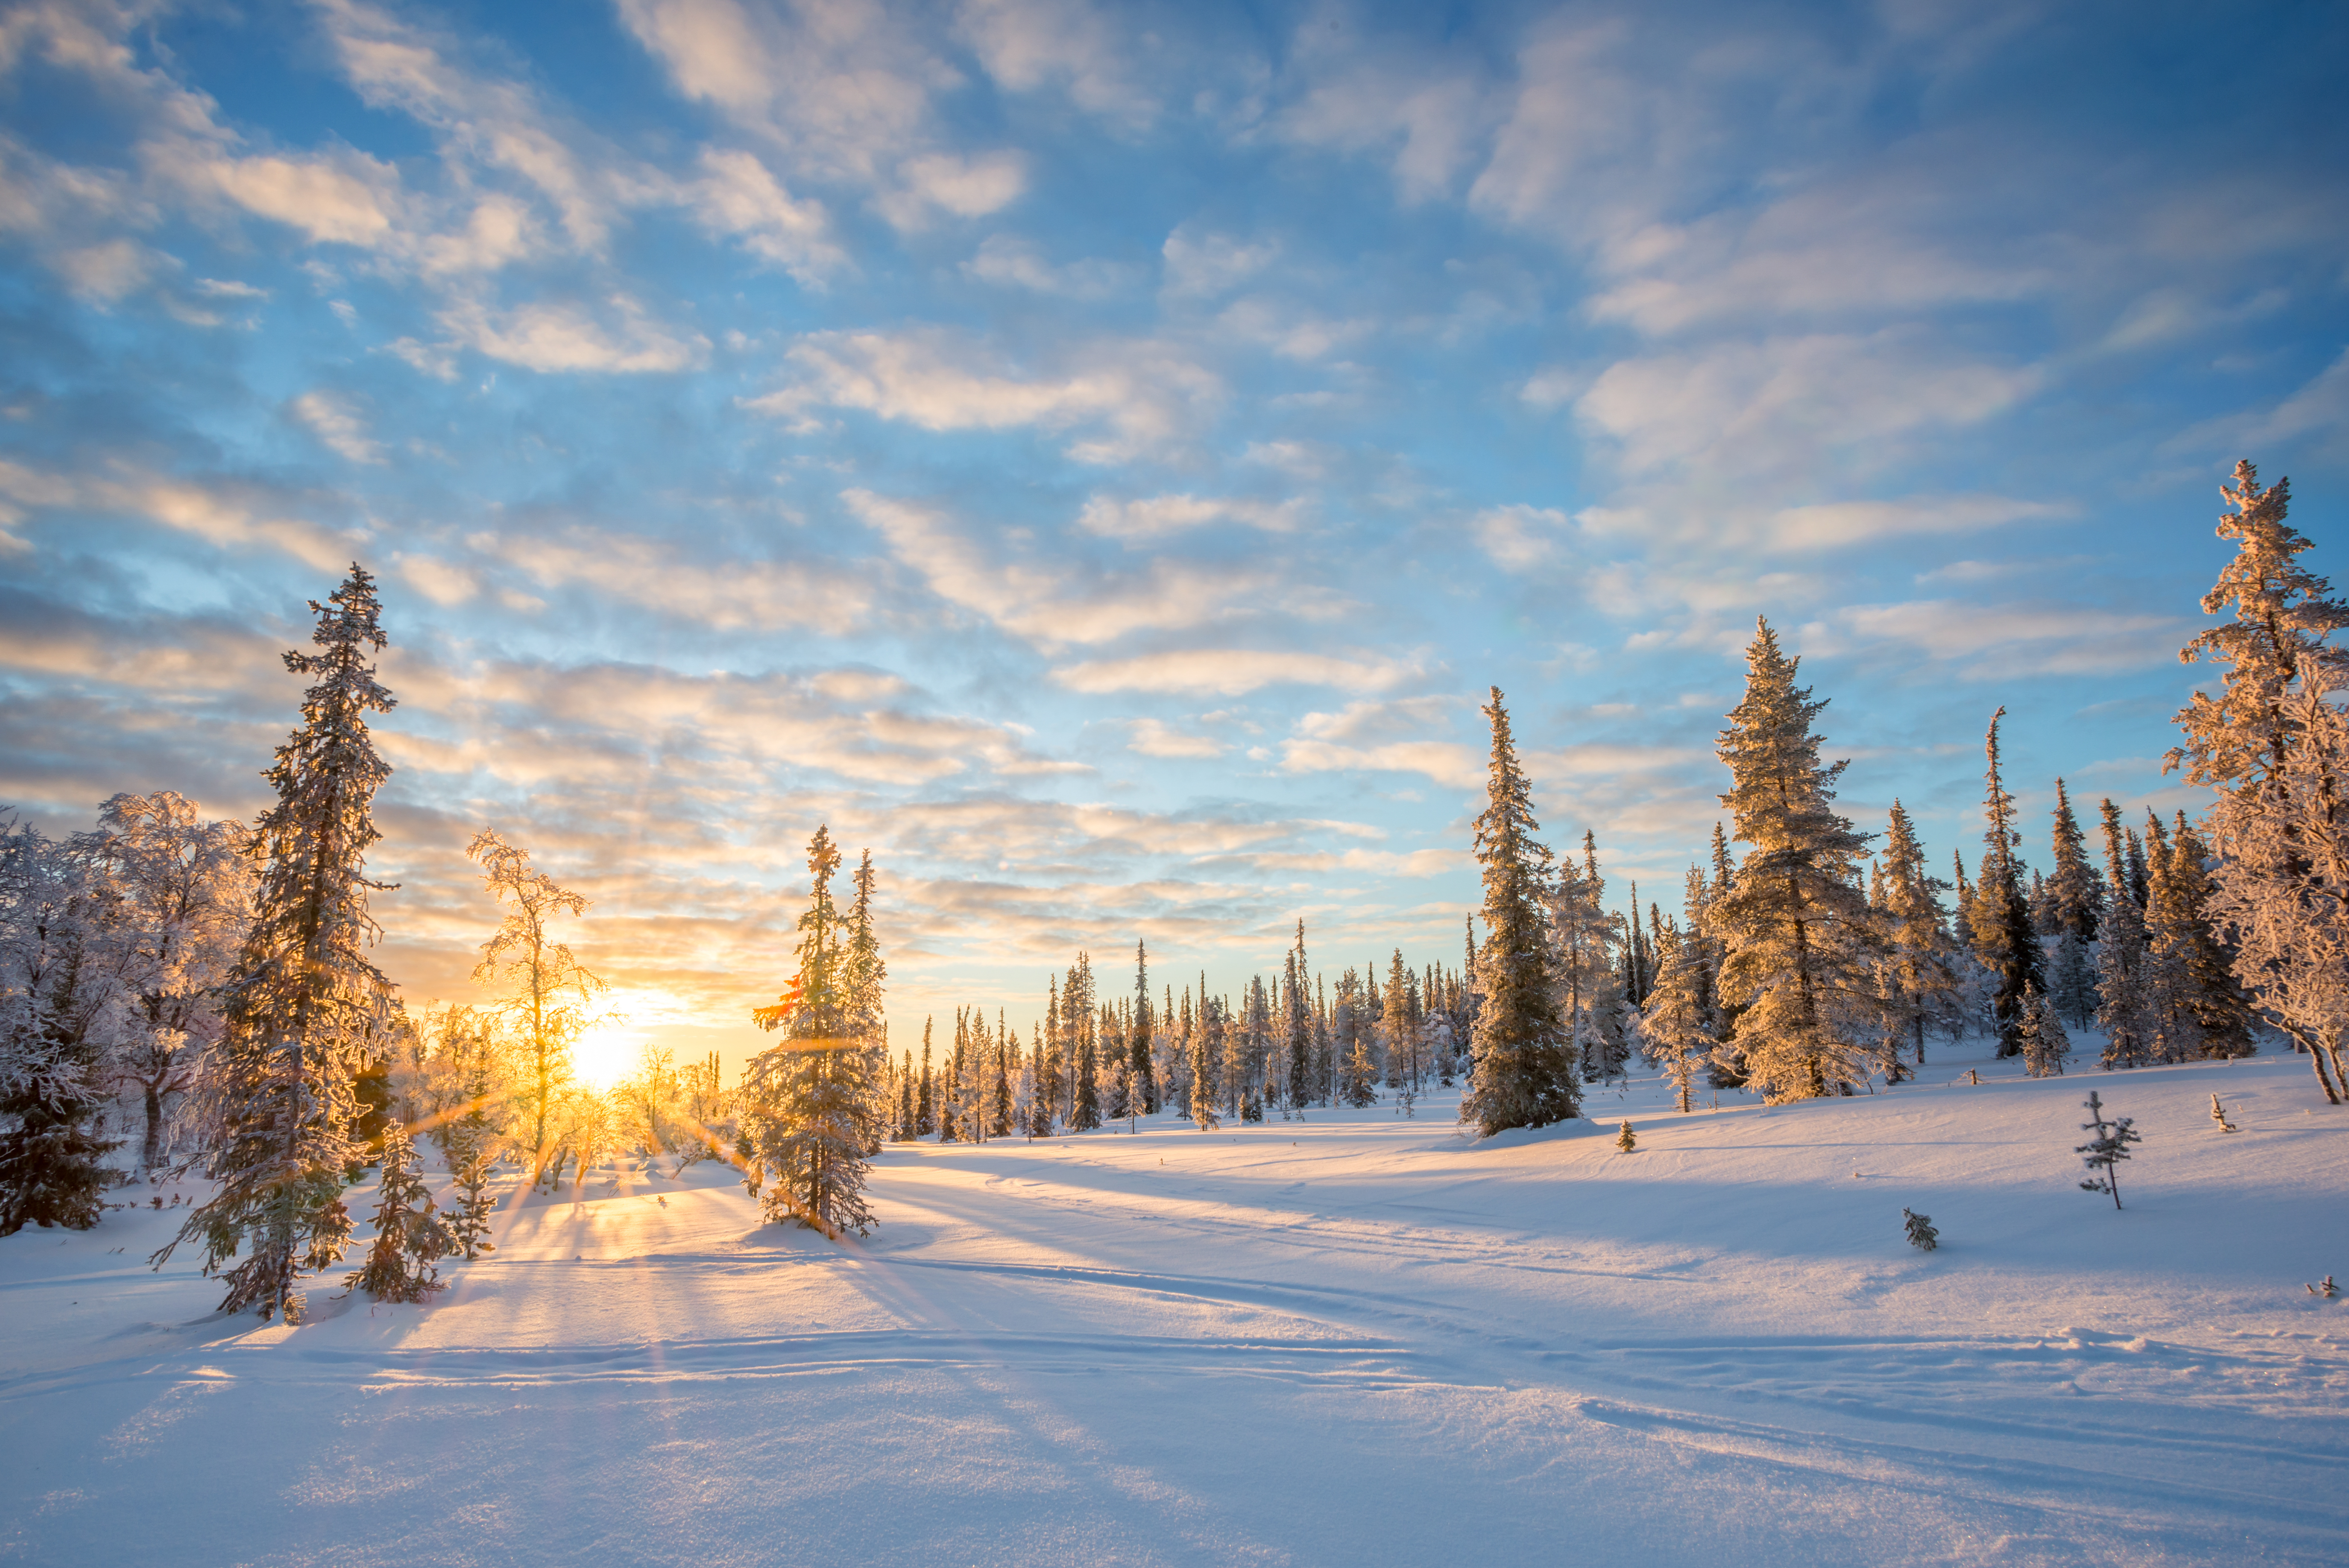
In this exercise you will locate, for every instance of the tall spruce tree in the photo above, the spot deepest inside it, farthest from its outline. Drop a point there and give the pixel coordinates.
(303, 1004)
(1146, 1068)
(2004, 941)
(1524, 1066)
(1796, 925)
(2206, 1014)
(2283, 619)
(1678, 1024)
(808, 1094)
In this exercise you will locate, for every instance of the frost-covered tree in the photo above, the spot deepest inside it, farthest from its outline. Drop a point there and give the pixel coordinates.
(1523, 1068)
(1680, 1026)
(542, 990)
(865, 981)
(2108, 1146)
(1919, 957)
(2004, 941)
(808, 1092)
(59, 1002)
(2040, 1035)
(181, 889)
(302, 1004)
(1796, 927)
(2199, 1009)
(2283, 886)
(409, 1236)
(1138, 1046)
(2282, 618)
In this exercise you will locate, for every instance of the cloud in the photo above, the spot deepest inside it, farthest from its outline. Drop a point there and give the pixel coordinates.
(1009, 262)
(335, 422)
(647, 573)
(967, 187)
(1519, 537)
(1153, 738)
(1204, 264)
(1139, 396)
(226, 512)
(1050, 604)
(560, 335)
(1231, 672)
(1026, 45)
(1429, 116)
(1154, 517)
(2318, 409)
(1838, 523)
(1979, 642)
(444, 584)
(738, 196)
(1769, 406)
(347, 200)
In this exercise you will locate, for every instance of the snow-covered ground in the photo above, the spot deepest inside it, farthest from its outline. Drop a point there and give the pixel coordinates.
(1355, 1340)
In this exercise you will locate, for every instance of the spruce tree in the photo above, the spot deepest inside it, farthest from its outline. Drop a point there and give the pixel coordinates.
(864, 982)
(302, 1003)
(2283, 617)
(808, 1093)
(57, 992)
(926, 1116)
(1678, 1024)
(2104, 1152)
(1796, 926)
(409, 1236)
(2124, 1007)
(1918, 951)
(2040, 1035)
(2205, 1012)
(1524, 1069)
(1145, 1068)
(2004, 941)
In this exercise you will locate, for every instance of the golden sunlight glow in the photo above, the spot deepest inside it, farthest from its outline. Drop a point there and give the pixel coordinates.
(607, 1051)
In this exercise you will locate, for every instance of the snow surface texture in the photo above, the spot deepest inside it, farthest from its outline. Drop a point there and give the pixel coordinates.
(1356, 1340)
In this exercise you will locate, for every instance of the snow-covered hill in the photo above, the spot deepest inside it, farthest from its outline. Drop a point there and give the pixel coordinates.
(1354, 1340)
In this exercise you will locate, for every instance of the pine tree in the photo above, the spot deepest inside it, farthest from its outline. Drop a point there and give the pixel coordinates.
(2124, 1008)
(1085, 1111)
(1679, 1026)
(1919, 1227)
(57, 995)
(302, 1003)
(2201, 1011)
(1625, 1139)
(1918, 951)
(2004, 940)
(925, 1115)
(2105, 1152)
(409, 1237)
(1796, 927)
(1145, 1074)
(864, 983)
(809, 1093)
(2284, 887)
(1522, 1069)
(2284, 616)
(1297, 1020)
(2040, 1035)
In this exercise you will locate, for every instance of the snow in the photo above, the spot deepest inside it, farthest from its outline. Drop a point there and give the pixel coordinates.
(1359, 1339)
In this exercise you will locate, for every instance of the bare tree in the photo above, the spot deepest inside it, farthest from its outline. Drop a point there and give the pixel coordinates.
(538, 975)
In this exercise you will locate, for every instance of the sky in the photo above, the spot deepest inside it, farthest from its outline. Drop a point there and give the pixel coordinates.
(1099, 458)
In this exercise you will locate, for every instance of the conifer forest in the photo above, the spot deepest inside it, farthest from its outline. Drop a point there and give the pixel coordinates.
(802, 781)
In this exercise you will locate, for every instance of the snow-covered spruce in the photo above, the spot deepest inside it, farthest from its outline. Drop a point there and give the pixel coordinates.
(808, 1096)
(1523, 1067)
(304, 1009)
(1797, 933)
(409, 1236)
(1920, 1231)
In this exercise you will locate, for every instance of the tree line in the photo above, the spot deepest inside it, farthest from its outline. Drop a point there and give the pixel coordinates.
(1812, 965)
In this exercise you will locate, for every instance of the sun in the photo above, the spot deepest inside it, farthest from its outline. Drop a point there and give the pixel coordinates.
(606, 1051)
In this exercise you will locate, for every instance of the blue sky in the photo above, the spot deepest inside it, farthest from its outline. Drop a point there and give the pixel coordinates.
(1098, 456)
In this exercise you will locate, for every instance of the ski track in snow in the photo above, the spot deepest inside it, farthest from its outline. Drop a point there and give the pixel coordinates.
(1356, 1339)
